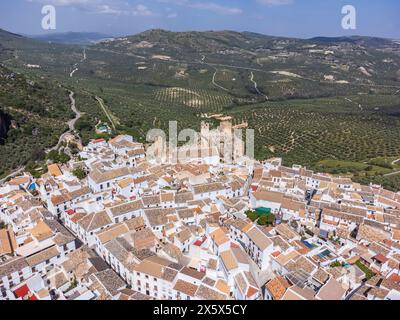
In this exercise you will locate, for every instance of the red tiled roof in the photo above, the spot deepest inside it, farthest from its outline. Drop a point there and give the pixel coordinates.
(395, 278)
(199, 242)
(251, 291)
(32, 297)
(21, 291)
(70, 212)
(276, 254)
(380, 257)
(234, 245)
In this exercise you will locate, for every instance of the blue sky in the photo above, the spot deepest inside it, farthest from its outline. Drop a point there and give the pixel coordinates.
(294, 18)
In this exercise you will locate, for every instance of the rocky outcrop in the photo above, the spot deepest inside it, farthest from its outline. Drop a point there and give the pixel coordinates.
(5, 122)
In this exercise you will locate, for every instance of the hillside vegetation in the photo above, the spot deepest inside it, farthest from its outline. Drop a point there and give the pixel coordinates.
(322, 99)
(37, 112)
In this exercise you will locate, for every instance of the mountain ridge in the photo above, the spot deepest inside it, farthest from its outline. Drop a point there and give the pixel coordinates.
(148, 32)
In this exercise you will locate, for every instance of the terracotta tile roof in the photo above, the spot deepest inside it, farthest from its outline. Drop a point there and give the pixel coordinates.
(321, 276)
(185, 287)
(112, 232)
(42, 256)
(206, 293)
(277, 287)
(6, 243)
(126, 208)
(54, 170)
(228, 260)
(222, 286)
(95, 221)
(193, 273)
(332, 290)
(271, 196)
(259, 238)
(13, 265)
(41, 231)
(19, 180)
(208, 187)
(110, 281)
(219, 236)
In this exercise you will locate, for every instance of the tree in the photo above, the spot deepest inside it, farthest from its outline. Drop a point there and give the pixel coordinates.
(79, 173)
(252, 215)
(74, 148)
(56, 156)
(53, 155)
(266, 220)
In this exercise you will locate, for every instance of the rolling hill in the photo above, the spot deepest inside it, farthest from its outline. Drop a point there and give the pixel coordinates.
(307, 99)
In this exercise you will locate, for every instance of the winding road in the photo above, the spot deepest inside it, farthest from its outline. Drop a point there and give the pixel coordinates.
(216, 84)
(256, 87)
(71, 123)
(76, 64)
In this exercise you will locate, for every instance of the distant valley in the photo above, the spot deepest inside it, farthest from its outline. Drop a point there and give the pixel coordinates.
(83, 38)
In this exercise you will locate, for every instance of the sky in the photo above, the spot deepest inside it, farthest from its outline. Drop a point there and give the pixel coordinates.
(292, 18)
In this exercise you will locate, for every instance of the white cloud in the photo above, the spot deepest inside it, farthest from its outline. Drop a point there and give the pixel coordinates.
(142, 10)
(66, 2)
(275, 2)
(172, 15)
(209, 6)
(112, 7)
(215, 8)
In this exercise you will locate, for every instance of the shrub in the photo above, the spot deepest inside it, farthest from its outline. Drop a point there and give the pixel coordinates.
(268, 219)
(252, 215)
(79, 173)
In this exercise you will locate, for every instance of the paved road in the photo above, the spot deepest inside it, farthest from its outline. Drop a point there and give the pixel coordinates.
(71, 123)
